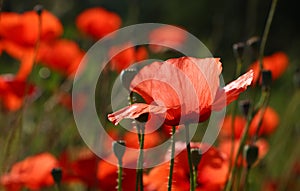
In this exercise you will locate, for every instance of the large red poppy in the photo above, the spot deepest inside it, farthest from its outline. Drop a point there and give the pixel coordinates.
(98, 22)
(182, 90)
(34, 173)
(211, 176)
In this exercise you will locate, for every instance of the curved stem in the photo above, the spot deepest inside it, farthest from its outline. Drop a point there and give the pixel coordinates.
(188, 149)
(266, 33)
(172, 159)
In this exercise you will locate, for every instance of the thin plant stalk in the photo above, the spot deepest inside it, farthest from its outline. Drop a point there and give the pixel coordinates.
(139, 175)
(170, 178)
(188, 149)
(120, 174)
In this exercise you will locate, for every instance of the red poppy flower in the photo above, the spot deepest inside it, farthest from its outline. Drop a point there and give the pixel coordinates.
(211, 176)
(61, 55)
(182, 90)
(127, 57)
(269, 123)
(98, 22)
(277, 63)
(12, 92)
(23, 29)
(169, 35)
(34, 173)
(151, 140)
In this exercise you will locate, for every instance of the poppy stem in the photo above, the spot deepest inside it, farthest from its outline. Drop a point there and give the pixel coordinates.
(188, 148)
(266, 33)
(139, 175)
(120, 172)
(172, 159)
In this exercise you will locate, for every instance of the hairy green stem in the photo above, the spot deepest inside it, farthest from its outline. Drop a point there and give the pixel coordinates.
(172, 159)
(139, 175)
(120, 172)
(188, 149)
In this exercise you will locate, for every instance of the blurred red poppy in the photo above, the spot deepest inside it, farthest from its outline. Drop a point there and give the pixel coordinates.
(12, 92)
(23, 29)
(61, 55)
(225, 146)
(150, 140)
(80, 166)
(269, 123)
(277, 63)
(182, 90)
(168, 35)
(127, 57)
(33, 172)
(211, 176)
(98, 22)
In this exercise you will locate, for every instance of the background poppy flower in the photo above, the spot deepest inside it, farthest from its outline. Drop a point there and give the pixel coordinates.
(33, 172)
(12, 92)
(212, 171)
(172, 36)
(277, 63)
(23, 29)
(127, 57)
(98, 22)
(184, 90)
(61, 55)
(269, 123)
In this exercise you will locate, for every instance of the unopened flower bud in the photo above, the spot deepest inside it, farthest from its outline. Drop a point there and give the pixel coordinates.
(253, 43)
(196, 155)
(238, 49)
(119, 148)
(56, 175)
(126, 76)
(250, 154)
(38, 9)
(245, 106)
(266, 76)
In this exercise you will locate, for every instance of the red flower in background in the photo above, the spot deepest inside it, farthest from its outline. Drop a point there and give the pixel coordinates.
(212, 171)
(277, 63)
(98, 22)
(23, 29)
(225, 146)
(269, 123)
(61, 55)
(169, 35)
(12, 92)
(80, 166)
(33, 172)
(185, 90)
(127, 57)
(150, 140)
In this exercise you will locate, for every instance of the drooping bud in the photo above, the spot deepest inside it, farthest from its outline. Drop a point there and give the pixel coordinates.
(266, 76)
(38, 9)
(196, 155)
(238, 49)
(127, 75)
(250, 154)
(253, 43)
(244, 107)
(119, 148)
(56, 175)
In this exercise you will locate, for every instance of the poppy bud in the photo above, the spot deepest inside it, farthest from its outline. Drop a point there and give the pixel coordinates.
(245, 106)
(196, 154)
(127, 75)
(38, 9)
(253, 43)
(238, 49)
(297, 78)
(250, 154)
(266, 79)
(56, 175)
(119, 149)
